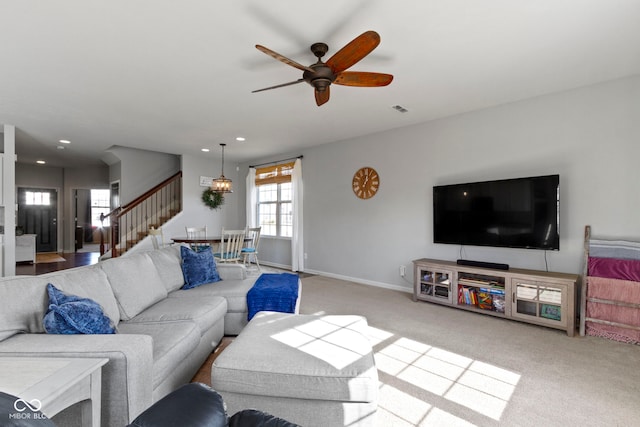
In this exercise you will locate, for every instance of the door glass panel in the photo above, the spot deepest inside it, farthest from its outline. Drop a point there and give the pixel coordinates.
(527, 292)
(442, 278)
(552, 295)
(427, 276)
(526, 307)
(550, 311)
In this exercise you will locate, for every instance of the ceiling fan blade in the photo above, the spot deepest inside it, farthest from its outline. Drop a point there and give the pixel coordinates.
(363, 79)
(322, 97)
(283, 58)
(277, 86)
(354, 51)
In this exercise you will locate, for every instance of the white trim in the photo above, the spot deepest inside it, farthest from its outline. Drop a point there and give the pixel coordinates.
(345, 278)
(361, 281)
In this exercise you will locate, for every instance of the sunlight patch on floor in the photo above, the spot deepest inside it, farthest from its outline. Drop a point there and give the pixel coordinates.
(402, 408)
(476, 385)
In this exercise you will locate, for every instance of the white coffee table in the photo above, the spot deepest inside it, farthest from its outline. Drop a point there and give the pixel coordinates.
(55, 384)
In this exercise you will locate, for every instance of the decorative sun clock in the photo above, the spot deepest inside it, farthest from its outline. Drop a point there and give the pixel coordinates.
(366, 182)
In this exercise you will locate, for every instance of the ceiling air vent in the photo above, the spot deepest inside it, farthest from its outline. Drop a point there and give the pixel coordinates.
(400, 109)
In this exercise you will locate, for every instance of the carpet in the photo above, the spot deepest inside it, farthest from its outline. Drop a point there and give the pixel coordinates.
(47, 257)
(439, 366)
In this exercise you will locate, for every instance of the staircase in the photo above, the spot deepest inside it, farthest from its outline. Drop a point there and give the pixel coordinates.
(130, 223)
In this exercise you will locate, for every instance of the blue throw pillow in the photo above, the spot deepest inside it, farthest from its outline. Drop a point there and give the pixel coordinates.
(70, 314)
(198, 268)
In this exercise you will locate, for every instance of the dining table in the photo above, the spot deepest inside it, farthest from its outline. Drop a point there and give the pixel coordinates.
(209, 240)
(193, 240)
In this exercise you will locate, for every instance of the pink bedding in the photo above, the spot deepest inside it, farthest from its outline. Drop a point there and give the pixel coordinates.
(617, 290)
(624, 269)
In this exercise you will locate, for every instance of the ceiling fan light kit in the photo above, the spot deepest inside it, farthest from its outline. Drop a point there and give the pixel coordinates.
(322, 74)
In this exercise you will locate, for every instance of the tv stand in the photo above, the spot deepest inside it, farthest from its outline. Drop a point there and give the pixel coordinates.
(531, 296)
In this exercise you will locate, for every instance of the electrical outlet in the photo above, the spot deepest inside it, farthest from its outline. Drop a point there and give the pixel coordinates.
(403, 270)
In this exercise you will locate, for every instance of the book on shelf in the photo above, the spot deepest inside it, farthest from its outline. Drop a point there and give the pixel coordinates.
(469, 296)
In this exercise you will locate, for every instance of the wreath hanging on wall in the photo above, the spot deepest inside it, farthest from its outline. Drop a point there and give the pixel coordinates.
(212, 198)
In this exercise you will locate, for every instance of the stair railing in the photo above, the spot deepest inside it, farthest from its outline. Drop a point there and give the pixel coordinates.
(130, 223)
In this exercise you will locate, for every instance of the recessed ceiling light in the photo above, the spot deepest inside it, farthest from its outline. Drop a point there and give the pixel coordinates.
(241, 138)
(40, 162)
(60, 147)
(206, 150)
(65, 141)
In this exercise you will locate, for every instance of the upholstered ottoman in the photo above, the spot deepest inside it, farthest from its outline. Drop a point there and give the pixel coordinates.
(312, 370)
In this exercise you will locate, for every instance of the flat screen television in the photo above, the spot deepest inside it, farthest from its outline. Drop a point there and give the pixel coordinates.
(513, 213)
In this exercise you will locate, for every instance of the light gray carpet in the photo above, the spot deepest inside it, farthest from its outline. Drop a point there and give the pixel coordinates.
(440, 366)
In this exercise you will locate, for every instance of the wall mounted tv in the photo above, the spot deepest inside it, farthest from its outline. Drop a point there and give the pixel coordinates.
(514, 213)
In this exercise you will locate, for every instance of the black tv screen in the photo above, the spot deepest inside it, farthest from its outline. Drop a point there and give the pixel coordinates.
(514, 213)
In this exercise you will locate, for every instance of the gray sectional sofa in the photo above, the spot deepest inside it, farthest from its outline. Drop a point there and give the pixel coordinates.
(164, 333)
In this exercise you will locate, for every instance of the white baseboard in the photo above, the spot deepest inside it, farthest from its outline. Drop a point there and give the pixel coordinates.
(360, 280)
(342, 277)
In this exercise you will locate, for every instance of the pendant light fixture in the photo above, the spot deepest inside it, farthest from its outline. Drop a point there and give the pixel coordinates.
(222, 184)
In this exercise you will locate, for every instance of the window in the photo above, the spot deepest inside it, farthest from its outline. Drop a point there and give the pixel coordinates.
(99, 205)
(274, 188)
(37, 198)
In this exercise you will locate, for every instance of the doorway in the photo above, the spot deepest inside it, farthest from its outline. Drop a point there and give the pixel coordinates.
(38, 214)
(89, 229)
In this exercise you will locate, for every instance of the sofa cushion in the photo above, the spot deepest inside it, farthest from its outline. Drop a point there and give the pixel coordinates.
(28, 304)
(69, 314)
(87, 282)
(135, 283)
(173, 343)
(230, 271)
(168, 263)
(234, 291)
(198, 268)
(205, 311)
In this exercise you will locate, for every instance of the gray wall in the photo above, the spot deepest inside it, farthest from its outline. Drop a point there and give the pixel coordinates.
(140, 170)
(195, 213)
(589, 136)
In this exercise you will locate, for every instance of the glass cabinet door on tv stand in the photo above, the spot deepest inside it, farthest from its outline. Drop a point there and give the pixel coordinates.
(434, 284)
(545, 302)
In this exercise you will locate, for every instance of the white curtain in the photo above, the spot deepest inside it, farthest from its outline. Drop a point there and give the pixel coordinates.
(297, 240)
(252, 221)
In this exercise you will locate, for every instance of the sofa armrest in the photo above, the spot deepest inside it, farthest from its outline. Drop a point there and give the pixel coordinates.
(231, 271)
(192, 405)
(126, 379)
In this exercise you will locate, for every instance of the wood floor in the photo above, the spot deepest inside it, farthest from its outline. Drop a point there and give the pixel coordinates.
(72, 260)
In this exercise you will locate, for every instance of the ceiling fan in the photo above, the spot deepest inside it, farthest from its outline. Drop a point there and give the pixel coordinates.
(322, 74)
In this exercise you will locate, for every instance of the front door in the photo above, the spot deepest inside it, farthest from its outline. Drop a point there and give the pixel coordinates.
(38, 214)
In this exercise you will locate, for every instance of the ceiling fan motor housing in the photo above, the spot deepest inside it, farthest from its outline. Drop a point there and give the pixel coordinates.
(321, 77)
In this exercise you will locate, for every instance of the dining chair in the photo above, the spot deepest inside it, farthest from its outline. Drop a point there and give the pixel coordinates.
(231, 242)
(197, 233)
(157, 238)
(251, 250)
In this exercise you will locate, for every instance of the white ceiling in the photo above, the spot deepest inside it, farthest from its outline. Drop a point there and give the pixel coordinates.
(176, 76)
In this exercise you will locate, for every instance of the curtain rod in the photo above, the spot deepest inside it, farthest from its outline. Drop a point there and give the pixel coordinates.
(276, 162)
